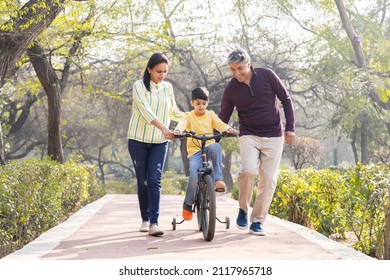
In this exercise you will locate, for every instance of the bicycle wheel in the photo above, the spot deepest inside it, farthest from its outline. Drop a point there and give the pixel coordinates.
(208, 208)
(198, 203)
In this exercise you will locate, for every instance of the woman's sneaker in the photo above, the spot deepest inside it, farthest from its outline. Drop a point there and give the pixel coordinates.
(154, 230)
(144, 226)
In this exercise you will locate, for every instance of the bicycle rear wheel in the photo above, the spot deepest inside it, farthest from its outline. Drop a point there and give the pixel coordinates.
(208, 208)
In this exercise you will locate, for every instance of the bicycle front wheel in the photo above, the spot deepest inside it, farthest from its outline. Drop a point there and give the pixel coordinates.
(208, 208)
(198, 205)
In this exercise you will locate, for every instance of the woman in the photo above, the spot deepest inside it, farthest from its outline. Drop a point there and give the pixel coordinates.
(154, 106)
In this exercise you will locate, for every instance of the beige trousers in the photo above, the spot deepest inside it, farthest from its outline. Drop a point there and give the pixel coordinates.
(259, 156)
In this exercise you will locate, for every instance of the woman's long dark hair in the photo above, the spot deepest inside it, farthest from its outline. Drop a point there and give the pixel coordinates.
(155, 59)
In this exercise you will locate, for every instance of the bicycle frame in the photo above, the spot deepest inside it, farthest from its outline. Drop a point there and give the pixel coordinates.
(205, 202)
(205, 169)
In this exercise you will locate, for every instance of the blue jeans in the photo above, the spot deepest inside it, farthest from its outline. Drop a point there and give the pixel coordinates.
(148, 160)
(213, 153)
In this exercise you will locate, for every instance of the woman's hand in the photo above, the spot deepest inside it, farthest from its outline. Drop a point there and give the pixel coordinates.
(176, 132)
(168, 134)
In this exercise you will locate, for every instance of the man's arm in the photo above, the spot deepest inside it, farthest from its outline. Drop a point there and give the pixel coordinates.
(285, 99)
(226, 108)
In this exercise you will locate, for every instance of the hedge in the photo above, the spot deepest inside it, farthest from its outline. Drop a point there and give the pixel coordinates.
(36, 195)
(337, 201)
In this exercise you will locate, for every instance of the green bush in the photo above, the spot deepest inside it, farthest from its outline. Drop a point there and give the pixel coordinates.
(325, 202)
(337, 201)
(173, 184)
(234, 193)
(290, 199)
(36, 195)
(366, 201)
(118, 187)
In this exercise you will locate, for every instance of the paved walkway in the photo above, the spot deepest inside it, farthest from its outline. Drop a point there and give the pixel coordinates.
(108, 229)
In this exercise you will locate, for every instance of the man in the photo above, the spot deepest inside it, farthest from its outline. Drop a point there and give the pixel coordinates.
(254, 93)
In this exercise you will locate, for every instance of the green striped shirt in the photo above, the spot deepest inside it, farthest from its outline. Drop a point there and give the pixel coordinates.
(159, 104)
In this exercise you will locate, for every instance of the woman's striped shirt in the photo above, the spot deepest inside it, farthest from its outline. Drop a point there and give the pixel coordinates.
(159, 104)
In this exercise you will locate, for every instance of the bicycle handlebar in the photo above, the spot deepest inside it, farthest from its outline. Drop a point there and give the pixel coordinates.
(192, 134)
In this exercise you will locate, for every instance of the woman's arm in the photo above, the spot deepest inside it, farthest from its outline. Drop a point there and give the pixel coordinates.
(168, 134)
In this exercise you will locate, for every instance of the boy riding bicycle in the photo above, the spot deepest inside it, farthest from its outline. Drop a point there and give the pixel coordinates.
(202, 122)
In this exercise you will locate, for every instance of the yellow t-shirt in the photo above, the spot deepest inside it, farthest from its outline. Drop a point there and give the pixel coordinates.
(202, 125)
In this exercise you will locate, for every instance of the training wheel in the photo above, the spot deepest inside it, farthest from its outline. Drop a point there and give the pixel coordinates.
(227, 222)
(173, 223)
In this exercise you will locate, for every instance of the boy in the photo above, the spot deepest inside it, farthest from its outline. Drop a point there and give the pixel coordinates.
(203, 122)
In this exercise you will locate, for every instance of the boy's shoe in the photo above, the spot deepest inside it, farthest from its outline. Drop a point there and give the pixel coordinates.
(144, 226)
(187, 215)
(187, 212)
(154, 230)
(257, 229)
(220, 186)
(242, 219)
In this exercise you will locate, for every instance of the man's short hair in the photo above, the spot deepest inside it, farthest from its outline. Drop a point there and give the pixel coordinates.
(238, 56)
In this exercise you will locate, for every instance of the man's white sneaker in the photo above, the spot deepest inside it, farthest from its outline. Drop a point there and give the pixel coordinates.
(154, 230)
(144, 227)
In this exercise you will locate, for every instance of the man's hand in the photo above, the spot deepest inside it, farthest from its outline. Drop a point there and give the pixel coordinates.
(231, 131)
(289, 137)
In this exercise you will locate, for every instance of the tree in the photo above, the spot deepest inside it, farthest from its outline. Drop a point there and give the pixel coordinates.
(349, 65)
(361, 64)
(20, 32)
(54, 86)
(51, 84)
(319, 69)
(2, 148)
(387, 235)
(189, 45)
(375, 98)
(22, 29)
(304, 152)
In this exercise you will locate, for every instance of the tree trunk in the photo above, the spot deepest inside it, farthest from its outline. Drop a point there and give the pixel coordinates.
(353, 37)
(353, 144)
(2, 153)
(25, 28)
(226, 174)
(18, 119)
(183, 152)
(387, 234)
(101, 165)
(364, 140)
(51, 84)
(335, 161)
